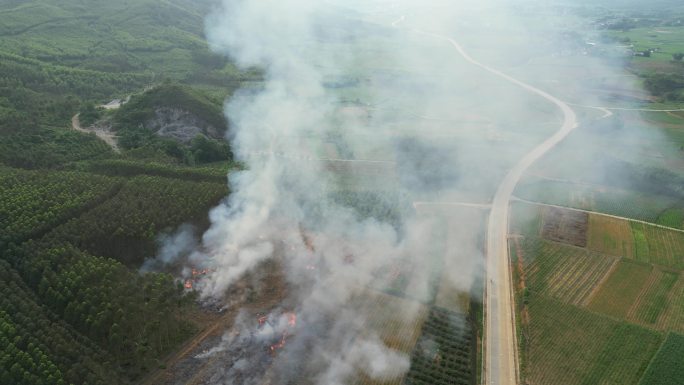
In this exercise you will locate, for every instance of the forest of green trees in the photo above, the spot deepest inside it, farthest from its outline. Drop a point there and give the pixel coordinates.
(77, 219)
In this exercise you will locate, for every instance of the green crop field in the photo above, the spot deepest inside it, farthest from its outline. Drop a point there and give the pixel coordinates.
(621, 289)
(564, 272)
(672, 218)
(654, 299)
(444, 353)
(667, 367)
(667, 41)
(570, 345)
(658, 246)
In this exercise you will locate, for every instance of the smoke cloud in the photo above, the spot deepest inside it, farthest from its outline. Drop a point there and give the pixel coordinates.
(372, 151)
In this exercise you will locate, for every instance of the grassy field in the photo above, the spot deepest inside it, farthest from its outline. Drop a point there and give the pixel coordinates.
(667, 368)
(667, 41)
(569, 345)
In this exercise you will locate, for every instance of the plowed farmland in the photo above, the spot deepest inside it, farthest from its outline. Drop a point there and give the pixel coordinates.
(566, 226)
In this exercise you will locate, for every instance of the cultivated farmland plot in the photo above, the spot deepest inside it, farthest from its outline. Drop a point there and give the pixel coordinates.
(667, 368)
(444, 352)
(569, 345)
(610, 236)
(567, 273)
(658, 246)
(621, 289)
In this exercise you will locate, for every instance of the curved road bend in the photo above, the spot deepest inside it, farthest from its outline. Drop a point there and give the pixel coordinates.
(501, 352)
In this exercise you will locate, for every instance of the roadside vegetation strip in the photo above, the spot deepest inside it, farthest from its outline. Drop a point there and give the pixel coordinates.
(610, 236)
(621, 289)
(667, 367)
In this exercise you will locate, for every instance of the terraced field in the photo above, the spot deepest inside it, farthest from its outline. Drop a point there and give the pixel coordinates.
(567, 273)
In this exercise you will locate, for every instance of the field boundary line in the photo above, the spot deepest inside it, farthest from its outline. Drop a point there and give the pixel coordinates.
(599, 284)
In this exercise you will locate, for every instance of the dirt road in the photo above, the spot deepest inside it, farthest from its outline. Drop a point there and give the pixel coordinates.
(501, 353)
(101, 133)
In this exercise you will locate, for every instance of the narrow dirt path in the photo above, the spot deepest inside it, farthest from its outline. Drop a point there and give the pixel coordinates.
(101, 133)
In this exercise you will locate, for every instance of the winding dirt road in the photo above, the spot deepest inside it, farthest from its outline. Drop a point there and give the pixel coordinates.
(104, 135)
(501, 350)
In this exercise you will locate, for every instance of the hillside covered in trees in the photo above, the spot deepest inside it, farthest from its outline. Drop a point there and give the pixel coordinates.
(77, 217)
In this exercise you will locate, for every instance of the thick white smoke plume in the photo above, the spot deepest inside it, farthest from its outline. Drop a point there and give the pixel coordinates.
(366, 116)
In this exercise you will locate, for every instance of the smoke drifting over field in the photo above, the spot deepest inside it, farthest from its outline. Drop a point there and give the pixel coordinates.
(358, 77)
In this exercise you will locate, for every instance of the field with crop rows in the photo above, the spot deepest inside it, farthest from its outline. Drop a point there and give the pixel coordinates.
(667, 368)
(444, 353)
(611, 236)
(673, 319)
(658, 246)
(569, 345)
(620, 290)
(563, 272)
(654, 298)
